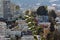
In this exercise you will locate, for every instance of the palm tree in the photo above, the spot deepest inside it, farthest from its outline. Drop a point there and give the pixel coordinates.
(32, 23)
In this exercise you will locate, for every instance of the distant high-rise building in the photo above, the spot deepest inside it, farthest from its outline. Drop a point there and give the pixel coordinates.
(6, 9)
(15, 10)
(1, 8)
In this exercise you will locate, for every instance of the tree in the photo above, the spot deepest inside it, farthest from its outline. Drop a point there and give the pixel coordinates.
(42, 11)
(32, 25)
(52, 14)
(17, 7)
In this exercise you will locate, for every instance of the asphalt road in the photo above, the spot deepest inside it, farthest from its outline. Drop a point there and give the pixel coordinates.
(27, 37)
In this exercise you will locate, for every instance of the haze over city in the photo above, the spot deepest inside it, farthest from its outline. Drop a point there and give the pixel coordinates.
(30, 3)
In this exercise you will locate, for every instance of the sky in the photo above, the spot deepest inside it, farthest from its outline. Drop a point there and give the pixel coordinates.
(33, 3)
